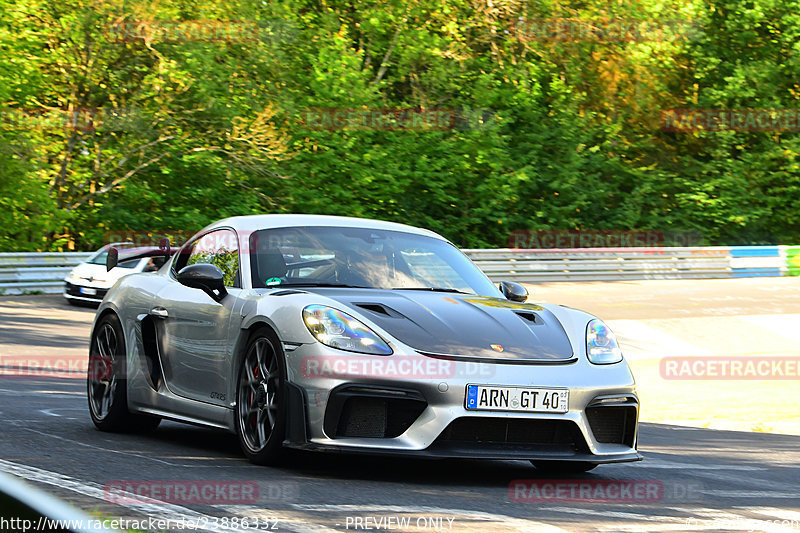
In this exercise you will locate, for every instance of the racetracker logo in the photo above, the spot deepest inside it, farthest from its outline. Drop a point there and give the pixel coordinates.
(173, 31)
(148, 237)
(182, 492)
(594, 490)
(395, 366)
(410, 119)
(730, 368)
(604, 30)
(600, 238)
(694, 120)
(78, 119)
(49, 366)
(86, 120)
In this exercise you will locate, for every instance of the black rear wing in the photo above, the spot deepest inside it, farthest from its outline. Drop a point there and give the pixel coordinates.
(162, 250)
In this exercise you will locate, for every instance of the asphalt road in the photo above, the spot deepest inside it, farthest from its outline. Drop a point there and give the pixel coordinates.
(706, 480)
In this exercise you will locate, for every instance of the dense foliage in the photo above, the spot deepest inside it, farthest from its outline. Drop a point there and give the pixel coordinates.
(138, 116)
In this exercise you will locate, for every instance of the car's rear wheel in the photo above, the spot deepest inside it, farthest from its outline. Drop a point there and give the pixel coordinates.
(106, 381)
(261, 399)
(563, 467)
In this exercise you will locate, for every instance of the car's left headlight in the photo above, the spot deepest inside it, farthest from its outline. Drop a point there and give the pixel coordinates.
(601, 344)
(339, 330)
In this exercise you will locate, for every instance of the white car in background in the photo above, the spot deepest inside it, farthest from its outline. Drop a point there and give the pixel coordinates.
(90, 281)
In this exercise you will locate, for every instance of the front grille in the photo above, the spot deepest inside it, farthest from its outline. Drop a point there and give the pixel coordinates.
(363, 417)
(74, 290)
(512, 433)
(613, 424)
(372, 413)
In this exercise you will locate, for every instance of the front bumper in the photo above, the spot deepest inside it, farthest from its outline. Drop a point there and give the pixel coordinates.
(72, 291)
(435, 421)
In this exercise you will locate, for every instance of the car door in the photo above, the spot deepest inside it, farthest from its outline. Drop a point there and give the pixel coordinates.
(196, 330)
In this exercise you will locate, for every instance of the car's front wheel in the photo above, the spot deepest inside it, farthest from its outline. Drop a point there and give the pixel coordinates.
(106, 382)
(261, 399)
(563, 467)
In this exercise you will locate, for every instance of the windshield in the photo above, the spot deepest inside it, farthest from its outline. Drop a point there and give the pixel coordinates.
(356, 257)
(99, 258)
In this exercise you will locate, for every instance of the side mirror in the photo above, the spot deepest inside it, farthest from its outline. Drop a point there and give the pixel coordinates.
(112, 258)
(164, 246)
(513, 291)
(206, 277)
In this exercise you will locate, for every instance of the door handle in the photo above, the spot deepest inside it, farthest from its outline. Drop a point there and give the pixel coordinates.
(159, 312)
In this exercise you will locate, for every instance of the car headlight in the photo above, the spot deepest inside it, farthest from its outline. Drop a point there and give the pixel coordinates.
(339, 330)
(601, 344)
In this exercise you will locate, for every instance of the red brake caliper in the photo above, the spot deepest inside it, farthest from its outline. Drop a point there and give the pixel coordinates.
(252, 398)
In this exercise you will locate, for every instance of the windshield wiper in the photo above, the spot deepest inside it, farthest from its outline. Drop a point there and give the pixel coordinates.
(431, 289)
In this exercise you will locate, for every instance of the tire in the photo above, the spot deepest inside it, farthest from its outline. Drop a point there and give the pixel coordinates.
(106, 382)
(563, 467)
(260, 414)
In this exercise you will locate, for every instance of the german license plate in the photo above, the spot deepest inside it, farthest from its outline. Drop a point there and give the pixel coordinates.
(88, 291)
(524, 399)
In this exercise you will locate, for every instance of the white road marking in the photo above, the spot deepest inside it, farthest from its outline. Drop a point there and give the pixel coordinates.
(669, 465)
(49, 412)
(622, 515)
(749, 481)
(702, 520)
(692, 524)
(674, 427)
(783, 514)
(140, 456)
(281, 518)
(52, 394)
(59, 392)
(73, 442)
(157, 509)
(751, 494)
(519, 524)
(641, 341)
(708, 513)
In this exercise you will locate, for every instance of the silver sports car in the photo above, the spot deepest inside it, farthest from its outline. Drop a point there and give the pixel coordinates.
(352, 335)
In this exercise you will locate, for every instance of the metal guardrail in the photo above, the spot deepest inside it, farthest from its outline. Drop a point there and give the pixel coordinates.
(22, 273)
(616, 264)
(45, 272)
(603, 264)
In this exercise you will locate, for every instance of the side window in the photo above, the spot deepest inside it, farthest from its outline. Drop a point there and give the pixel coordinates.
(218, 248)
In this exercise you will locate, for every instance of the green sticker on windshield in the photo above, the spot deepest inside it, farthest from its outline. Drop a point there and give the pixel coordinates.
(273, 281)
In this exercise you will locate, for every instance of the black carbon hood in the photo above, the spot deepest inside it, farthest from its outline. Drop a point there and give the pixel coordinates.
(462, 326)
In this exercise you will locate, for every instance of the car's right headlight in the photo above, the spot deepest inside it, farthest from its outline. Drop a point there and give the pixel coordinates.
(339, 330)
(601, 344)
